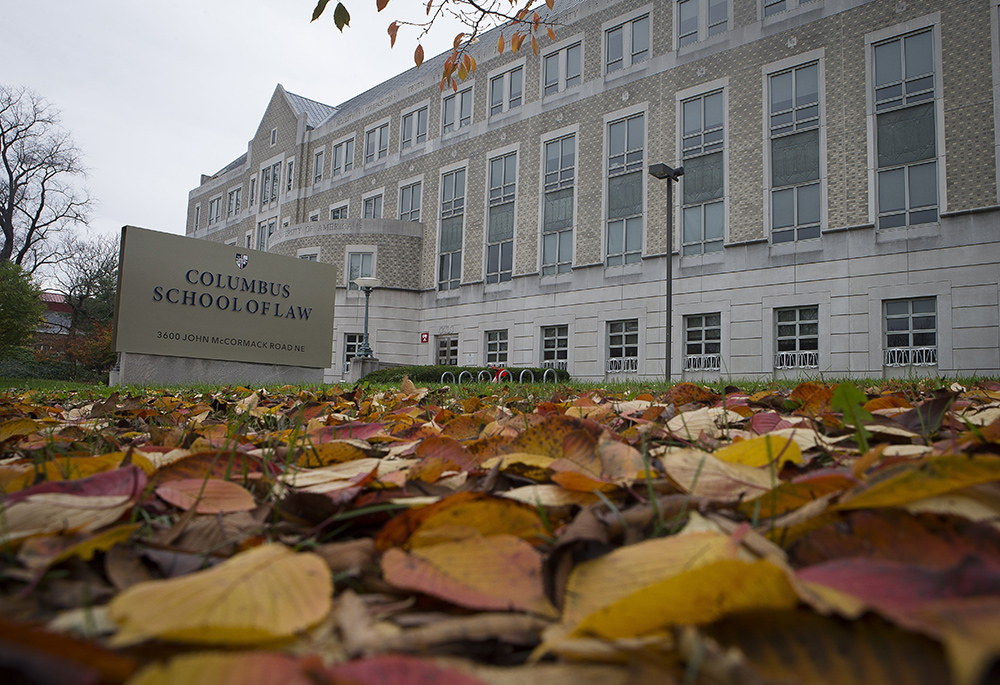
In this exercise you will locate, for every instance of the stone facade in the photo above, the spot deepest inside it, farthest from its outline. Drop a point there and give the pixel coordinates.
(842, 285)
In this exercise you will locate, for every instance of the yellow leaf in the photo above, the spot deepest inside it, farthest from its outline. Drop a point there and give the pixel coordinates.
(43, 551)
(75, 468)
(926, 478)
(532, 466)
(549, 496)
(225, 668)
(701, 474)
(761, 451)
(695, 596)
(336, 452)
(17, 427)
(56, 512)
(500, 44)
(264, 594)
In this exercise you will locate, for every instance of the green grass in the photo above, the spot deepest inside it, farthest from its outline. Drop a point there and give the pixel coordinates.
(46, 384)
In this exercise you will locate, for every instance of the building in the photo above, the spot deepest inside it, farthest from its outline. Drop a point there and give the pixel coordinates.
(838, 212)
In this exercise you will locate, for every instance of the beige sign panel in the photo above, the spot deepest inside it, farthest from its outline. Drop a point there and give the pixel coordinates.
(183, 297)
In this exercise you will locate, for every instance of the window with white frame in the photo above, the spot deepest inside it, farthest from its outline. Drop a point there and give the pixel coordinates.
(338, 212)
(314, 216)
(249, 239)
(265, 229)
(456, 111)
(352, 344)
(197, 215)
(555, 347)
(496, 347)
(623, 346)
(309, 256)
(409, 202)
(214, 210)
(500, 228)
(318, 166)
(795, 155)
(626, 44)
(562, 69)
(557, 208)
(274, 136)
(253, 191)
(506, 91)
(343, 157)
(703, 342)
(359, 265)
(774, 6)
(371, 207)
(700, 19)
(625, 190)
(447, 350)
(796, 338)
(910, 332)
(289, 175)
(452, 220)
(270, 183)
(376, 143)
(905, 130)
(233, 202)
(414, 128)
(703, 208)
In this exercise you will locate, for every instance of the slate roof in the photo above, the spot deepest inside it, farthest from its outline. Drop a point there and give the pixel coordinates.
(316, 112)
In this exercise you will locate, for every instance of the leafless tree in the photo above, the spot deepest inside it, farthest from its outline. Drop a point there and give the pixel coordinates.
(40, 168)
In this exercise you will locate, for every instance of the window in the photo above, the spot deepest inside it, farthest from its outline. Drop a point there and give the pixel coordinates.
(197, 215)
(452, 216)
(270, 181)
(318, 167)
(359, 265)
(703, 212)
(233, 203)
(555, 347)
(352, 343)
(626, 44)
(371, 207)
(289, 175)
(456, 111)
(376, 143)
(703, 342)
(700, 19)
(506, 90)
(214, 210)
(338, 213)
(794, 130)
(311, 257)
(562, 69)
(623, 346)
(797, 338)
(905, 131)
(414, 128)
(409, 202)
(253, 190)
(249, 239)
(265, 229)
(775, 6)
(625, 194)
(274, 136)
(496, 347)
(343, 157)
(447, 350)
(910, 332)
(557, 209)
(314, 216)
(500, 231)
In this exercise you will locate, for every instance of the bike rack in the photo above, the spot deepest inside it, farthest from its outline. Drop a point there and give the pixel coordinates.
(489, 376)
(555, 376)
(462, 375)
(448, 373)
(520, 378)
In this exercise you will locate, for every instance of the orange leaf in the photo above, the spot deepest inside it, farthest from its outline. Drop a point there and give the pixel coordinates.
(418, 55)
(552, 34)
(462, 72)
(550, 3)
(380, 4)
(497, 573)
(500, 44)
(393, 30)
(458, 40)
(887, 402)
(534, 45)
(813, 398)
(230, 668)
(207, 496)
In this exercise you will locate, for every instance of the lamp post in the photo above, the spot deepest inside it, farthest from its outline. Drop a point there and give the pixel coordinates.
(367, 285)
(671, 175)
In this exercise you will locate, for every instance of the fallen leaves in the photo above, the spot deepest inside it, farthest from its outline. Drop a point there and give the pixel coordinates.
(826, 534)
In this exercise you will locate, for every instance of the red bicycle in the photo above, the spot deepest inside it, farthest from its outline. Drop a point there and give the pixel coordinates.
(498, 374)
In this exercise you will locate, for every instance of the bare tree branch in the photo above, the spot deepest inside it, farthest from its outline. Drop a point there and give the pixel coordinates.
(40, 168)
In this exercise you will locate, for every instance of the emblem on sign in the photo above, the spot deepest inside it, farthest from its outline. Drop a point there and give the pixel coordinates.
(242, 260)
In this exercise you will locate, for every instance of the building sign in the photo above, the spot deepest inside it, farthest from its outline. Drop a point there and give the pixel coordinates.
(425, 337)
(183, 297)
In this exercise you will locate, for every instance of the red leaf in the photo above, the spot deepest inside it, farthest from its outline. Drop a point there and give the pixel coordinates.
(130, 481)
(393, 29)
(418, 59)
(403, 670)
(380, 4)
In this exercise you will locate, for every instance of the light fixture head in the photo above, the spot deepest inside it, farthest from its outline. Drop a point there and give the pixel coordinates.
(663, 171)
(365, 282)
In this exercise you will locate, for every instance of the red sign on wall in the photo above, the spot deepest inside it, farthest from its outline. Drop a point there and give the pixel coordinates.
(425, 337)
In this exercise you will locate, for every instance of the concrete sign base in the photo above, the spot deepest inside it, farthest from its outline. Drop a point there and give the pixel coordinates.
(153, 369)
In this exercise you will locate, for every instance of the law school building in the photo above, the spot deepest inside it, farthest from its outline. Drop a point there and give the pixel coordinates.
(838, 211)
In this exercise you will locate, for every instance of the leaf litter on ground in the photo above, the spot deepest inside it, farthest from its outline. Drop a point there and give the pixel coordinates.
(825, 534)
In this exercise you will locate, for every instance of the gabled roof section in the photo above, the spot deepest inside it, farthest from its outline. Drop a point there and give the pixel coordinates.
(316, 112)
(238, 162)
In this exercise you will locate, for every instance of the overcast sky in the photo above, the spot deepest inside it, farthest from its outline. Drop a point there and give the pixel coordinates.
(158, 92)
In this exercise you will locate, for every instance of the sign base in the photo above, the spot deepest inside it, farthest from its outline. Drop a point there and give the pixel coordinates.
(153, 369)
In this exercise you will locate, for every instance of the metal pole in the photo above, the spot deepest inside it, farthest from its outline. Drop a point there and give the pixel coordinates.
(668, 314)
(366, 350)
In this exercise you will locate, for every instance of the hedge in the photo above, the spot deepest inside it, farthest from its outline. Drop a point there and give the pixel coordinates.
(432, 374)
(20, 363)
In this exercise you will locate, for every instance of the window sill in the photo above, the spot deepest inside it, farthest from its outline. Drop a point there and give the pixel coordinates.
(693, 261)
(412, 149)
(562, 96)
(796, 247)
(889, 235)
(506, 114)
(624, 269)
(627, 71)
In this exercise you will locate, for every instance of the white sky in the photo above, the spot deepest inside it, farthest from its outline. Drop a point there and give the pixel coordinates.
(158, 92)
